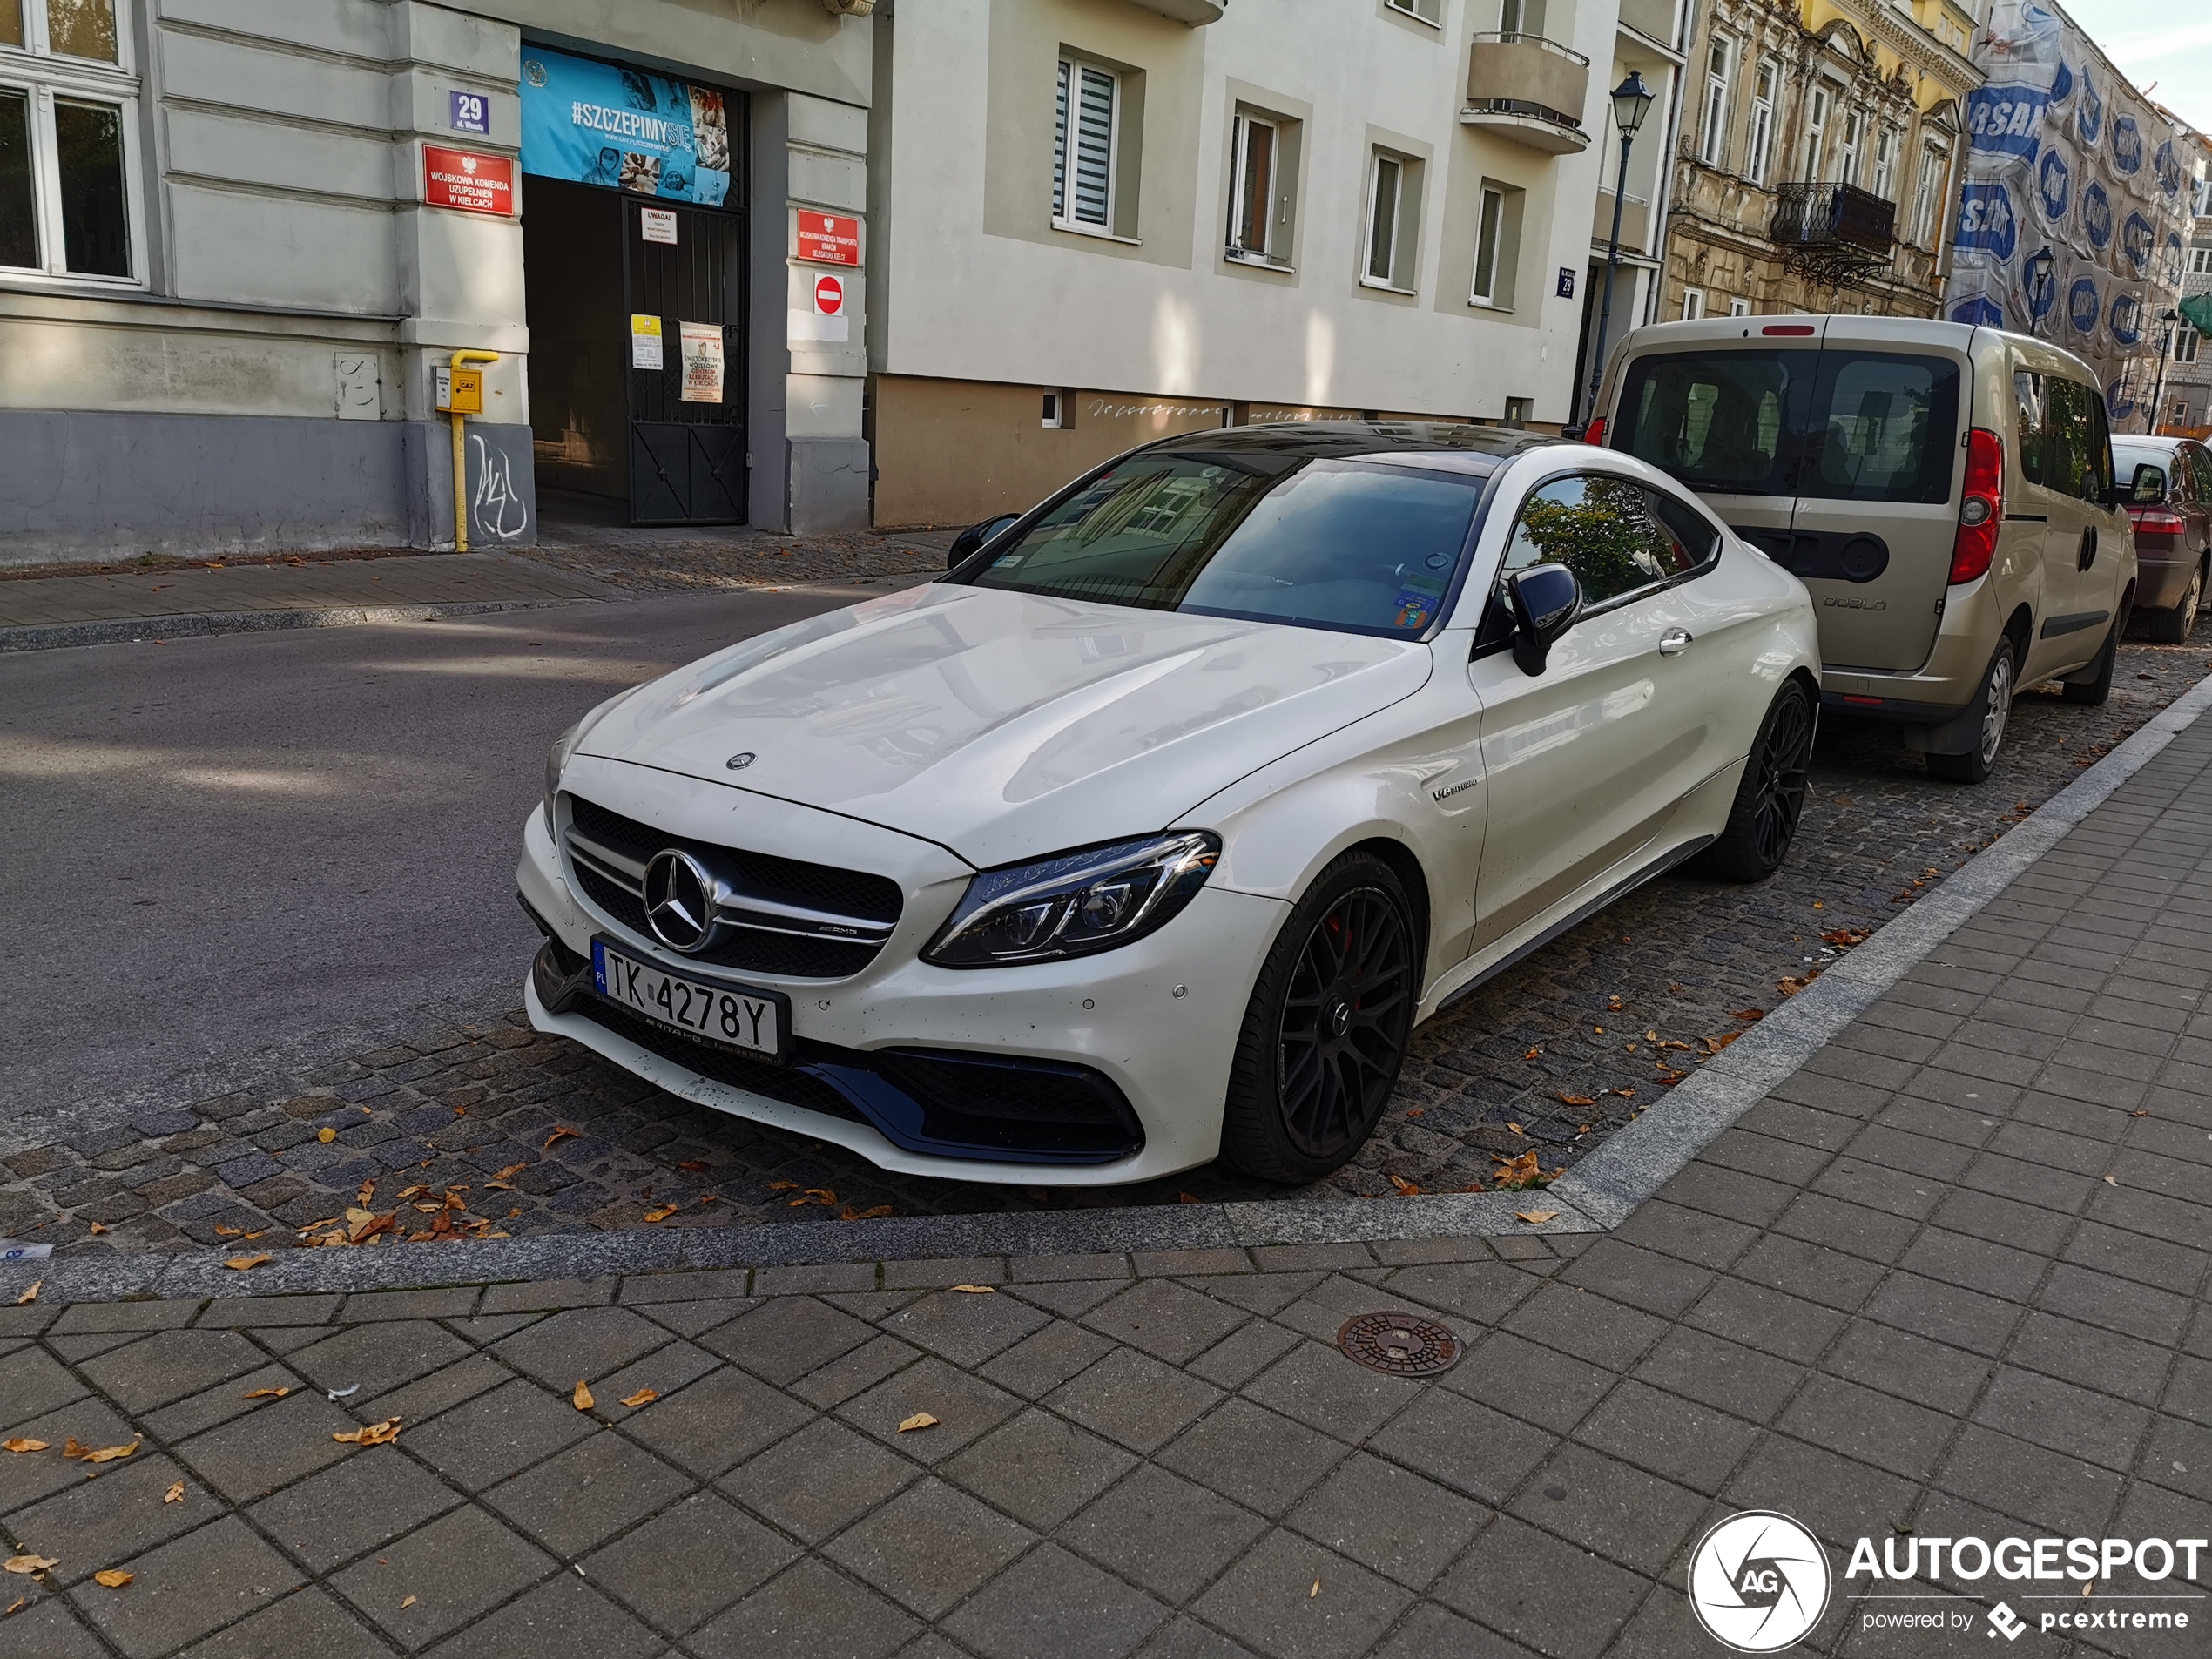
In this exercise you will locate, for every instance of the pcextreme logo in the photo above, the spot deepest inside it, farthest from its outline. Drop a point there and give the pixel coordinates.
(1758, 1581)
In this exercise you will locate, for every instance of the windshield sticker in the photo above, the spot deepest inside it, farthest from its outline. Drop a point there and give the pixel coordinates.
(1415, 607)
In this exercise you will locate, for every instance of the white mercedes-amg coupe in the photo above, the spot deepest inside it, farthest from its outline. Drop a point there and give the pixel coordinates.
(1148, 832)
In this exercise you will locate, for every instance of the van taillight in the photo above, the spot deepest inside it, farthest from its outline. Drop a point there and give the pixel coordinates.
(1981, 507)
(1595, 433)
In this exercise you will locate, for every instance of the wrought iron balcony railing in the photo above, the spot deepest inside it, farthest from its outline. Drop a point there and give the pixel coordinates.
(1839, 233)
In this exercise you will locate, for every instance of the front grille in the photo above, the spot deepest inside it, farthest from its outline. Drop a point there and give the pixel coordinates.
(869, 903)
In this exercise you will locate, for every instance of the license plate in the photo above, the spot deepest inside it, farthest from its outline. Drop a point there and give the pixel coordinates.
(729, 1016)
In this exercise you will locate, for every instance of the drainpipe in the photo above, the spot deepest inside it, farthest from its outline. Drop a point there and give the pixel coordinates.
(460, 453)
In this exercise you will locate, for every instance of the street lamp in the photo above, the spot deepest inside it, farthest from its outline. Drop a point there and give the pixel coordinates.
(2037, 269)
(1631, 99)
(2169, 317)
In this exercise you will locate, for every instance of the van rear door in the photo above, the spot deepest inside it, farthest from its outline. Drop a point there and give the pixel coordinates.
(1720, 405)
(1877, 476)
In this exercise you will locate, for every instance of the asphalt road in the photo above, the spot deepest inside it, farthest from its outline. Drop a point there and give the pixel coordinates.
(268, 848)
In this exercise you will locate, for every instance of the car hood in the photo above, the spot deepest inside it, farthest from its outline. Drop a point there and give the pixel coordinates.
(1005, 725)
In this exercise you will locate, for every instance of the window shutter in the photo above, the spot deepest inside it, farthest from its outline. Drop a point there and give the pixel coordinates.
(1060, 147)
(1094, 146)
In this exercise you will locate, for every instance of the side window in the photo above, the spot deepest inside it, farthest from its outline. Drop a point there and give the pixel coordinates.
(1884, 427)
(1717, 421)
(2201, 469)
(2031, 429)
(2080, 443)
(2097, 482)
(1613, 533)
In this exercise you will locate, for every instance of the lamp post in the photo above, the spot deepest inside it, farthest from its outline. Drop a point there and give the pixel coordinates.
(2169, 317)
(2037, 269)
(1630, 101)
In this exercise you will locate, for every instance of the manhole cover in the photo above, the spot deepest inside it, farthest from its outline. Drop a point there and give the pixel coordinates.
(1398, 1344)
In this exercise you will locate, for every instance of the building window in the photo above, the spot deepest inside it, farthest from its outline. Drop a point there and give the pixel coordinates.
(1739, 307)
(1760, 152)
(1255, 182)
(1059, 411)
(1393, 215)
(2185, 343)
(1518, 409)
(1816, 132)
(68, 107)
(2200, 260)
(1885, 163)
(1082, 154)
(1847, 151)
(1693, 304)
(1712, 130)
(1428, 11)
(1489, 240)
(1519, 18)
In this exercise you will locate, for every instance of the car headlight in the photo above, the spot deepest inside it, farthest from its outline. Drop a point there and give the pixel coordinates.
(1075, 903)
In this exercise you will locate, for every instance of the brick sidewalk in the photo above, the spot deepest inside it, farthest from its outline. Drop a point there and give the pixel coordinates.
(1942, 1281)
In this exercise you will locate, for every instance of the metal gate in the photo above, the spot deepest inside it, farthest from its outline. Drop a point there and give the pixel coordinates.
(687, 439)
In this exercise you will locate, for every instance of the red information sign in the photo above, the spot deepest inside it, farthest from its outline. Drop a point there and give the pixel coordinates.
(829, 239)
(473, 182)
(829, 296)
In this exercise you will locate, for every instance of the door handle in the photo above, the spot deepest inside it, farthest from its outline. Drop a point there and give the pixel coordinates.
(2088, 548)
(1674, 641)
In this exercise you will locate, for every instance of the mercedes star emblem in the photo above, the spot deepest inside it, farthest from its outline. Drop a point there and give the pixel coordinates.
(679, 901)
(738, 763)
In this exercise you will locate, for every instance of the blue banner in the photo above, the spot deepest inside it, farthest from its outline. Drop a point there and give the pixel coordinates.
(599, 123)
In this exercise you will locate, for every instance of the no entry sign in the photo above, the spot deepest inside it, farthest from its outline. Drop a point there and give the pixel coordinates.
(829, 296)
(829, 239)
(473, 183)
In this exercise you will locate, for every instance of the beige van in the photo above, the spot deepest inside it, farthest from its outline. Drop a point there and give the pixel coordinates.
(1945, 492)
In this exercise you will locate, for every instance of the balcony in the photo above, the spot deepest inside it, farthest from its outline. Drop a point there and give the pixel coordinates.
(1837, 233)
(1635, 222)
(1527, 89)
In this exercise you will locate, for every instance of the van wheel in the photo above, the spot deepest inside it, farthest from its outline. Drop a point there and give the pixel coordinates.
(2173, 627)
(1994, 706)
(2094, 685)
(1325, 1033)
(1768, 802)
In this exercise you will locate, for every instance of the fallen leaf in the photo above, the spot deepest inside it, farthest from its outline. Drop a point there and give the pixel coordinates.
(114, 1577)
(266, 1393)
(1418, 1111)
(1535, 1217)
(175, 1495)
(221, 1231)
(643, 1397)
(1714, 1045)
(692, 1164)
(515, 1212)
(31, 1294)
(662, 1212)
(407, 1604)
(1816, 904)
(1845, 938)
(30, 1563)
(582, 1398)
(1791, 986)
(1626, 1093)
(1188, 1197)
(381, 1433)
(1534, 1054)
(367, 1192)
(2110, 1182)
(242, 1262)
(1612, 1004)
(1315, 1591)
(783, 1186)
(1597, 1030)
(1748, 1014)
(1575, 1100)
(2140, 1112)
(919, 1419)
(562, 1134)
(1405, 1189)
(1516, 1129)
(97, 1230)
(976, 1290)
(71, 1447)
(23, 1444)
(20, 1601)
(326, 1134)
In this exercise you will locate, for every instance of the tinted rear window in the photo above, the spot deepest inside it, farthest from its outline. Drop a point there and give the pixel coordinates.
(1716, 420)
(1884, 427)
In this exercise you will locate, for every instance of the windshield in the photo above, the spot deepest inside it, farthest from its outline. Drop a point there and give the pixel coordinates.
(1346, 544)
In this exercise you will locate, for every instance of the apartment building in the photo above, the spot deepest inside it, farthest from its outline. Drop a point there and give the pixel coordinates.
(1818, 157)
(241, 241)
(1096, 222)
(2185, 405)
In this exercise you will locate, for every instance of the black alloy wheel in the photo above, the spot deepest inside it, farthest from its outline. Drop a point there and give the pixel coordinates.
(1325, 1033)
(1771, 798)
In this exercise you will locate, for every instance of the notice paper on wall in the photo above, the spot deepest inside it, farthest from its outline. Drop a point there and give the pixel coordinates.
(644, 342)
(657, 225)
(701, 343)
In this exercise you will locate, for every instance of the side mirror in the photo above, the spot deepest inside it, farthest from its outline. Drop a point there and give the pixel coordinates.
(2150, 483)
(1546, 599)
(975, 534)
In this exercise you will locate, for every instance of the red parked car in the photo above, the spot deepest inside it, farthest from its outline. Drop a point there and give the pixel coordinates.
(2173, 530)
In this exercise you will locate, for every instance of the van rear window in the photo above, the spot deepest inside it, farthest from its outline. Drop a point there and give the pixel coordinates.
(1718, 421)
(1884, 427)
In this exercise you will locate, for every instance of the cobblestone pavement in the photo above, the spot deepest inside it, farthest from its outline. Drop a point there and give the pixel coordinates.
(748, 559)
(1947, 1281)
(1671, 965)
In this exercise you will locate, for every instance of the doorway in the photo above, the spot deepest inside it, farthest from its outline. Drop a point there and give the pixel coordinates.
(637, 363)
